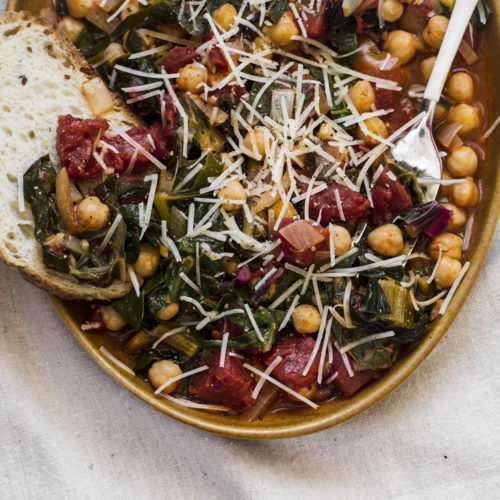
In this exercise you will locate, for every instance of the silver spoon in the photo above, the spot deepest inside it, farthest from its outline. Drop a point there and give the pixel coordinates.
(417, 150)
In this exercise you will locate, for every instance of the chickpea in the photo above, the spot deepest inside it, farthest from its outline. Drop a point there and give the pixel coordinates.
(168, 312)
(192, 77)
(161, 372)
(401, 44)
(306, 319)
(112, 52)
(392, 10)
(377, 127)
(461, 86)
(72, 27)
(261, 137)
(341, 239)
(440, 111)
(426, 67)
(447, 272)
(111, 319)
(147, 262)
(362, 96)
(281, 33)
(299, 155)
(387, 240)
(468, 116)
(465, 194)
(433, 33)
(79, 8)
(325, 132)
(450, 245)
(458, 217)
(462, 162)
(224, 16)
(234, 190)
(309, 391)
(92, 214)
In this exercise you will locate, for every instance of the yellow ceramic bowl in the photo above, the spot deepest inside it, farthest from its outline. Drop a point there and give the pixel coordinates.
(306, 420)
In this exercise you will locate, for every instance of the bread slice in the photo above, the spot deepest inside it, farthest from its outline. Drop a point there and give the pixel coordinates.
(42, 75)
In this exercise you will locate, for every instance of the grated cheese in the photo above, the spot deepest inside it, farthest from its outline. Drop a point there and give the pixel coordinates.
(254, 323)
(438, 261)
(109, 234)
(168, 334)
(153, 178)
(192, 404)
(288, 314)
(319, 338)
(326, 342)
(345, 360)
(364, 340)
(134, 280)
(223, 350)
(190, 283)
(268, 371)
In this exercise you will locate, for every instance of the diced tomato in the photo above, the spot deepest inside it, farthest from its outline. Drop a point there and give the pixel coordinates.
(230, 385)
(347, 384)
(296, 352)
(300, 240)
(233, 92)
(403, 108)
(314, 23)
(217, 57)
(354, 205)
(389, 198)
(177, 58)
(75, 142)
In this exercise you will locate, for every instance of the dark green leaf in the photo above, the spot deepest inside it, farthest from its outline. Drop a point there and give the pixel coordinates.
(375, 301)
(275, 10)
(131, 308)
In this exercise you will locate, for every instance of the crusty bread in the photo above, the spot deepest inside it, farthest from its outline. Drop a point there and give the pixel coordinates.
(41, 75)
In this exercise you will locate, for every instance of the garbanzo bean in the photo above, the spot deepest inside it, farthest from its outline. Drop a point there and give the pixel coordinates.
(147, 262)
(224, 16)
(392, 10)
(163, 371)
(465, 194)
(387, 240)
(462, 162)
(341, 239)
(461, 86)
(232, 191)
(362, 96)
(306, 319)
(447, 272)
(111, 319)
(450, 245)
(281, 33)
(426, 67)
(433, 33)
(377, 127)
(260, 136)
(401, 44)
(468, 116)
(458, 217)
(79, 8)
(325, 132)
(168, 312)
(192, 77)
(92, 214)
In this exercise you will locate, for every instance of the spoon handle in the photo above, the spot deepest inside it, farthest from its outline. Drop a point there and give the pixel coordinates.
(460, 17)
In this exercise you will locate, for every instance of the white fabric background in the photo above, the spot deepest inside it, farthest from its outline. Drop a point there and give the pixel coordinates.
(67, 430)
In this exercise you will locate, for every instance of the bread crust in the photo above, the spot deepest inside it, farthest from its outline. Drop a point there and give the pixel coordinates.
(59, 284)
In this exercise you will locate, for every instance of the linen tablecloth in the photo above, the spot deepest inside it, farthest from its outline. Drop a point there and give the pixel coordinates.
(68, 431)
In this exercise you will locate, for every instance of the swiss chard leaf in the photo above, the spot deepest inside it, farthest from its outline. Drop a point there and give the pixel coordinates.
(38, 182)
(131, 308)
(275, 10)
(375, 300)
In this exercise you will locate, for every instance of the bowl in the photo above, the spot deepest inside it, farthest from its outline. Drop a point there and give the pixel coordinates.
(306, 420)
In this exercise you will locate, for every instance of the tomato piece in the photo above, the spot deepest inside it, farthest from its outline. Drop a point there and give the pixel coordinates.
(314, 22)
(177, 58)
(296, 352)
(74, 143)
(389, 198)
(347, 384)
(354, 204)
(217, 57)
(230, 385)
